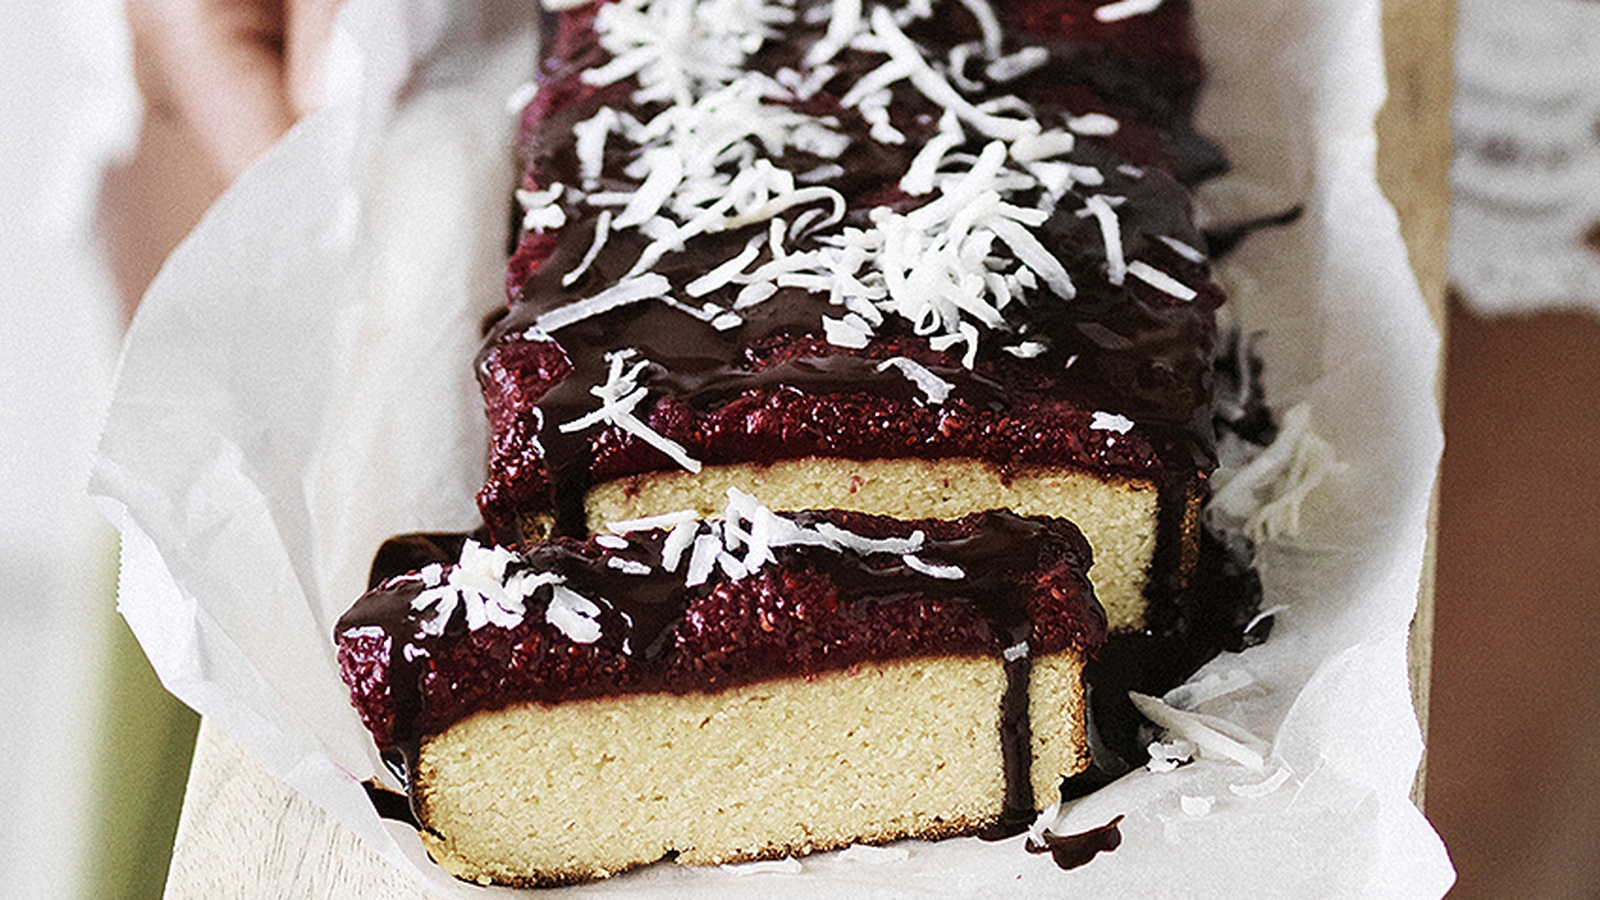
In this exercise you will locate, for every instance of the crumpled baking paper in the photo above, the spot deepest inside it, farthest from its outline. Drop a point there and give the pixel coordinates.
(297, 386)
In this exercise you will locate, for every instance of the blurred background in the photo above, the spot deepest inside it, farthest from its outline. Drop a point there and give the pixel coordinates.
(99, 184)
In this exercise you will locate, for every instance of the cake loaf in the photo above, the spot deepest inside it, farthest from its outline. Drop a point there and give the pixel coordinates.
(756, 686)
(915, 260)
(930, 267)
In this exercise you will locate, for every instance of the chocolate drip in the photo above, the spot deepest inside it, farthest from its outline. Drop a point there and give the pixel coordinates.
(1016, 748)
(1073, 850)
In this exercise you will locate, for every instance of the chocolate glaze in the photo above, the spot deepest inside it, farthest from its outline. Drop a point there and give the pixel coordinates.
(1073, 850)
(773, 389)
(814, 610)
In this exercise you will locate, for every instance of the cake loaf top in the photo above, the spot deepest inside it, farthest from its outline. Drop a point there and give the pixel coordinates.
(680, 604)
(948, 205)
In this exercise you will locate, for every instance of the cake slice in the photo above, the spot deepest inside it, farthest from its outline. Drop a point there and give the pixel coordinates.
(911, 260)
(750, 687)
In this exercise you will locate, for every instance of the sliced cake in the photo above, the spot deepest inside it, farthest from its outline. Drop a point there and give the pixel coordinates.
(750, 687)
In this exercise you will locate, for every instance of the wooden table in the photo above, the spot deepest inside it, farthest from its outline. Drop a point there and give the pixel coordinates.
(244, 834)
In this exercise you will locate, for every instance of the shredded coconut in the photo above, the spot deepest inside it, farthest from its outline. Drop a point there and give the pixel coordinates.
(648, 523)
(575, 615)
(1125, 9)
(1105, 421)
(1102, 208)
(1184, 250)
(936, 389)
(618, 396)
(628, 566)
(1263, 497)
(1211, 735)
(932, 570)
(1161, 281)
(1168, 756)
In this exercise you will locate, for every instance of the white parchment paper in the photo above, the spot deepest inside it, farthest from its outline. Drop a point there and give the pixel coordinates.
(297, 386)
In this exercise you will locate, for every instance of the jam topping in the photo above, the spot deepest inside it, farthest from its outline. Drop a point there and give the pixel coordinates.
(662, 610)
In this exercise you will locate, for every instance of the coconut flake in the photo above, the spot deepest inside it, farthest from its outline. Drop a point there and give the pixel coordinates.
(1044, 145)
(1208, 733)
(1093, 124)
(1015, 651)
(703, 559)
(1101, 207)
(1168, 756)
(1105, 421)
(589, 138)
(1125, 9)
(843, 25)
(677, 541)
(725, 273)
(665, 167)
(624, 292)
(1265, 614)
(1184, 250)
(540, 209)
(850, 331)
(611, 541)
(602, 230)
(628, 566)
(1016, 65)
(1026, 349)
(919, 177)
(934, 388)
(1161, 281)
(573, 614)
(849, 540)
(933, 570)
(651, 523)
(619, 395)
(1196, 807)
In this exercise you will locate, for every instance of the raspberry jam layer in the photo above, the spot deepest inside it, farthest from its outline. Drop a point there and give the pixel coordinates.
(415, 668)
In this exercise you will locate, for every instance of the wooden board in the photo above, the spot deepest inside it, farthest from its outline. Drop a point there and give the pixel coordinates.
(244, 834)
